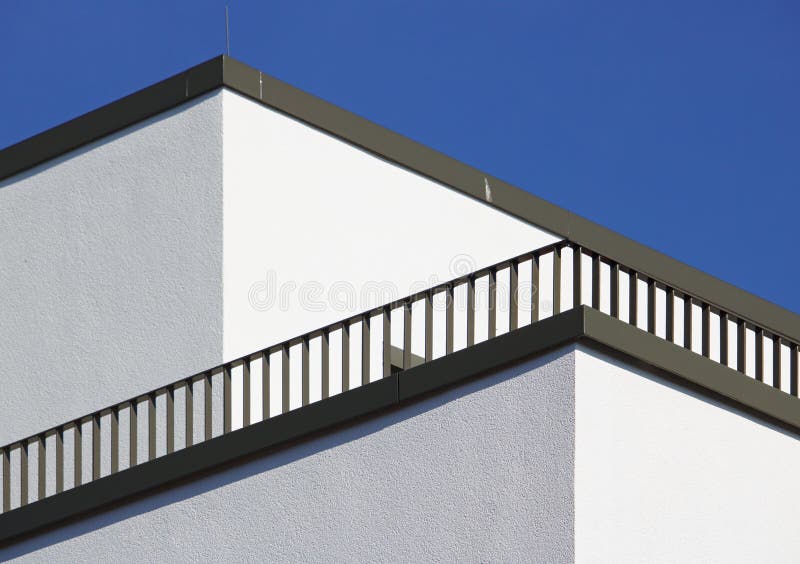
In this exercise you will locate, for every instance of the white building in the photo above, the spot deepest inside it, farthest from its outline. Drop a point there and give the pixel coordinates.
(239, 323)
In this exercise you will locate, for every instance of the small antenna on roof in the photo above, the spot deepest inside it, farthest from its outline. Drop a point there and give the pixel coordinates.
(227, 32)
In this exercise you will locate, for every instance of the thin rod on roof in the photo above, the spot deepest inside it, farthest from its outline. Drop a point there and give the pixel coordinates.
(227, 32)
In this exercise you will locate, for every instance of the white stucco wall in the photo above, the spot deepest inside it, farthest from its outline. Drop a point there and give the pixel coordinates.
(665, 475)
(318, 222)
(110, 269)
(481, 473)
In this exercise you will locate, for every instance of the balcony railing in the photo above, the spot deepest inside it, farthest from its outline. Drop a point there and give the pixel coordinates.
(359, 349)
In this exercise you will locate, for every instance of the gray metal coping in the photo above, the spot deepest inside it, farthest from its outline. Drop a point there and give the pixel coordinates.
(223, 71)
(583, 324)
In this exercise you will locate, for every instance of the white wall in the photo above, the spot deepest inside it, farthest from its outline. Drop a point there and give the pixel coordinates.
(320, 214)
(110, 269)
(481, 473)
(665, 475)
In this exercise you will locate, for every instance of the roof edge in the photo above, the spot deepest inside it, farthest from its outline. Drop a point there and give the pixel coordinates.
(582, 324)
(228, 72)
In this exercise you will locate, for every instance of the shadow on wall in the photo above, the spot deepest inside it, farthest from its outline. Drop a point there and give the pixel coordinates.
(268, 462)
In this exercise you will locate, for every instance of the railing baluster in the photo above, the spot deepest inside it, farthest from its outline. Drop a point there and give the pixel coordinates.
(207, 400)
(614, 290)
(115, 439)
(151, 426)
(670, 315)
(449, 320)
(386, 348)
(793, 369)
(59, 460)
(325, 363)
(227, 399)
(534, 288)
(345, 356)
(687, 322)
(651, 306)
(633, 298)
(706, 329)
(305, 378)
(42, 469)
(133, 433)
(577, 276)
(596, 282)
(470, 310)
(407, 335)
(246, 392)
(265, 391)
(365, 349)
(513, 291)
(556, 280)
(428, 326)
(189, 409)
(723, 338)
(170, 419)
(759, 354)
(776, 361)
(285, 382)
(741, 346)
(23, 473)
(6, 453)
(78, 454)
(492, 314)
(96, 446)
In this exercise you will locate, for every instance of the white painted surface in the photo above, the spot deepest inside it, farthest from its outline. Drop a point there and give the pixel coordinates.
(665, 475)
(336, 229)
(481, 473)
(110, 269)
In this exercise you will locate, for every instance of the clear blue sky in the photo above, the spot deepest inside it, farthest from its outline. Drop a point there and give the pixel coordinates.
(675, 123)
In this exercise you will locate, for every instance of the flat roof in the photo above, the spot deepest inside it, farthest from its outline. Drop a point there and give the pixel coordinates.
(223, 71)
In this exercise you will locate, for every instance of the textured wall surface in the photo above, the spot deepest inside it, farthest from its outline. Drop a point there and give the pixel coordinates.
(110, 269)
(481, 473)
(665, 475)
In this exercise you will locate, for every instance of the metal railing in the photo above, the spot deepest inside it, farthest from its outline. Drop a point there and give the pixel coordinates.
(554, 278)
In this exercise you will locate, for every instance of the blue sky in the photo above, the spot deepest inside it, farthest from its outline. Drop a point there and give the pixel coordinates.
(675, 123)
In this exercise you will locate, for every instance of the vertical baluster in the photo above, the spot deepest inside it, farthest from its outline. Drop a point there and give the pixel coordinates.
(670, 314)
(133, 433)
(596, 282)
(6, 453)
(687, 321)
(556, 280)
(741, 346)
(59, 460)
(614, 290)
(246, 392)
(449, 319)
(42, 470)
(285, 383)
(265, 391)
(227, 398)
(170, 419)
(96, 446)
(78, 454)
(776, 361)
(577, 276)
(23, 472)
(428, 326)
(513, 298)
(492, 313)
(706, 329)
(208, 418)
(759, 354)
(189, 409)
(387, 341)
(470, 310)
(325, 374)
(723, 338)
(305, 378)
(345, 356)
(651, 306)
(407, 334)
(365, 349)
(633, 298)
(793, 369)
(151, 426)
(115, 439)
(534, 288)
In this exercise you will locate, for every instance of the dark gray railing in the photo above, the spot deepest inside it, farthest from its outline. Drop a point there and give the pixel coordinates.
(557, 277)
